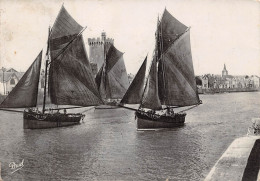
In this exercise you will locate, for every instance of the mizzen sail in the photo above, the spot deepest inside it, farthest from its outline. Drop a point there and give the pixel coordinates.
(70, 77)
(135, 91)
(25, 92)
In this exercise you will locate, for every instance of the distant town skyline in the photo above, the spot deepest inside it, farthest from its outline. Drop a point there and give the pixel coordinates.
(222, 32)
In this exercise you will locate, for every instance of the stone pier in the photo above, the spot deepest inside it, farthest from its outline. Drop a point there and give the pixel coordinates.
(240, 161)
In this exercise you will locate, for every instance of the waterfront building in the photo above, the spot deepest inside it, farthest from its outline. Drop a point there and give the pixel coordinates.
(226, 81)
(130, 77)
(205, 82)
(255, 81)
(8, 80)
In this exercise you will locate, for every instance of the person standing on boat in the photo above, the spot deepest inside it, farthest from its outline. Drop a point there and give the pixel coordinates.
(168, 111)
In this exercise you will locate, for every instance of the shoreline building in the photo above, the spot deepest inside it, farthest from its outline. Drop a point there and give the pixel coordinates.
(226, 82)
(98, 47)
(8, 80)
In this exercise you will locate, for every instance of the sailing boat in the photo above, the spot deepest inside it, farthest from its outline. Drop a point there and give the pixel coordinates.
(112, 80)
(70, 79)
(171, 80)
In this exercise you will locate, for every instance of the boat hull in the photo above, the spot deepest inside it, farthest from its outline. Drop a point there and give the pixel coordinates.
(42, 121)
(151, 121)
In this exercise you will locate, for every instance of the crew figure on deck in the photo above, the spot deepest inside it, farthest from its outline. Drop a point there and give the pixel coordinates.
(169, 112)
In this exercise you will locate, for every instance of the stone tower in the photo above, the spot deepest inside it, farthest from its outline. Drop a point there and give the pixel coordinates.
(224, 71)
(96, 51)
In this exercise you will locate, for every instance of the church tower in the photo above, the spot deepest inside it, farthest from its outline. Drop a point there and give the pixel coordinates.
(97, 48)
(224, 71)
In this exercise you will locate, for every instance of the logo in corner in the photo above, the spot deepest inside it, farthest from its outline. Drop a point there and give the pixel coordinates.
(15, 167)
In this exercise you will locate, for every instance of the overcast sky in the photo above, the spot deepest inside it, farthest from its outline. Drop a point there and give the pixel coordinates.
(222, 31)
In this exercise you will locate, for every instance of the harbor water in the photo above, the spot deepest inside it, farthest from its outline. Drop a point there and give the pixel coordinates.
(107, 146)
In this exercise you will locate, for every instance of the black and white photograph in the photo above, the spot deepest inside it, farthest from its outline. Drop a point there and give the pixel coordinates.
(130, 90)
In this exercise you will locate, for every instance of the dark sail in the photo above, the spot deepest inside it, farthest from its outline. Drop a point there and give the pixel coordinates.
(169, 30)
(114, 81)
(70, 77)
(151, 99)
(177, 86)
(99, 76)
(25, 92)
(135, 91)
(64, 25)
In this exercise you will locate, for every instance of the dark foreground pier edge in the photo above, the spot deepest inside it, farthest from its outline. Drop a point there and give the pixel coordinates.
(253, 163)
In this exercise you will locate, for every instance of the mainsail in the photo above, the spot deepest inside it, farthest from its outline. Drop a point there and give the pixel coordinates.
(172, 83)
(177, 75)
(134, 93)
(70, 77)
(25, 92)
(112, 79)
(169, 29)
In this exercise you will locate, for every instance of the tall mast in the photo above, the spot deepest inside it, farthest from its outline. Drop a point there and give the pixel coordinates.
(161, 58)
(104, 67)
(45, 76)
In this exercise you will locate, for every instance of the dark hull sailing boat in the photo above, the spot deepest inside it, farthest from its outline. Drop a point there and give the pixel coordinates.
(171, 81)
(154, 121)
(34, 120)
(112, 80)
(70, 79)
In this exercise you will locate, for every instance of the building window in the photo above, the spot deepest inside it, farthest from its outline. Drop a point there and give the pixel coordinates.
(12, 81)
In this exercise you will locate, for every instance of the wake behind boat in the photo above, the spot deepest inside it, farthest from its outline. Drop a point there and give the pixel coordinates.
(68, 78)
